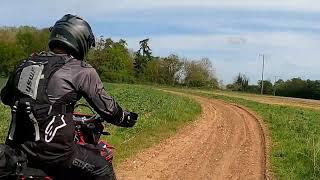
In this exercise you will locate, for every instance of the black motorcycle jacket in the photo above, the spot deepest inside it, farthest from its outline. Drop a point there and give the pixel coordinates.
(42, 93)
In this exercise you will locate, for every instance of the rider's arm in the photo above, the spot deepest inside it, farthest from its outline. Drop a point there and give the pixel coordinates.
(88, 83)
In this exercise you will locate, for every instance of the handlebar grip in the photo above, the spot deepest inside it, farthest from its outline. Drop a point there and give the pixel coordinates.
(134, 116)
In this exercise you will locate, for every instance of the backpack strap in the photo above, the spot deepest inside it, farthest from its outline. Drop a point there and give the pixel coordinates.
(14, 120)
(33, 121)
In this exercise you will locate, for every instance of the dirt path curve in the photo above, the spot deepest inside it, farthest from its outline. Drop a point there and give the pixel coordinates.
(226, 142)
(267, 99)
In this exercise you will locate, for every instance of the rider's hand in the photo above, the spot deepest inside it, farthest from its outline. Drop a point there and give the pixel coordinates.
(129, 119)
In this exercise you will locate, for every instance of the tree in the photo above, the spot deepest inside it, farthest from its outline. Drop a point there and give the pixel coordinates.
(32, 40)
(142, 57)
(112, 60)
(267, 86)
(152, 72)
(200, 74)
(170, 67)
(240, 83)
(17, 43)
(279, 84)
(145, 49)
(253, 89)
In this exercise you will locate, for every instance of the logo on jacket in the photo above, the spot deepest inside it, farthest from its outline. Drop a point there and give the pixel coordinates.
(54, 125)
(83, 165)
(29, 80)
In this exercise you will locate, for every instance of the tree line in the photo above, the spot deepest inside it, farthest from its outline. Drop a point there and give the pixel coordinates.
(113, 60)
(295, 87)
(17, 43)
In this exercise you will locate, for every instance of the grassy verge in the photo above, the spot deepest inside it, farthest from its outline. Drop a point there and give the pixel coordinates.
(4, 121)
(4, 115)
(160, 115)
(2, 81)
(295, 135)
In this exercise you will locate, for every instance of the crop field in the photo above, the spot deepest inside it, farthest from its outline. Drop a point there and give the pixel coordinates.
(294, 133)
(157, 118)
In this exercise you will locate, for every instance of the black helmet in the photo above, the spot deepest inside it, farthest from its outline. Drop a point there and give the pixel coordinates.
(73, 33)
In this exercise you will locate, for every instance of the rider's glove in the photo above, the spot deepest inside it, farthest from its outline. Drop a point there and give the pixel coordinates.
(129, 119)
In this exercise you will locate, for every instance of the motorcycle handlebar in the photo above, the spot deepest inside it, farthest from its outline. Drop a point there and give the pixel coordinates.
(86, 118)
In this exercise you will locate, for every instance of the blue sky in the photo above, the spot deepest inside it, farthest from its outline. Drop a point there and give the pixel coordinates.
(231, 33)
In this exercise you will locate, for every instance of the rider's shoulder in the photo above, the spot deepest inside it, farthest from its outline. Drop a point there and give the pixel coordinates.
(82, 68)
(45, 55)
(85, 64)
(71, 62)
(79, 63)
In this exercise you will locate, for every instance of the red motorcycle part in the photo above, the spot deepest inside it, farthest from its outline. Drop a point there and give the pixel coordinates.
(106, 150)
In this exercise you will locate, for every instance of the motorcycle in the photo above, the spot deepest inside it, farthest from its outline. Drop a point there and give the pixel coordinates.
(88, 130)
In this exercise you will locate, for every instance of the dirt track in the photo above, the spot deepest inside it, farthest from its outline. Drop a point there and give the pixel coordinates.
(226, 142)
(288, 101)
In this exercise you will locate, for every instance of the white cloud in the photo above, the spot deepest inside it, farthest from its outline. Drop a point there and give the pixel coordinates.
(296, 5)
(104, 7)
(245, 4)
(248, 39)
(44, 13)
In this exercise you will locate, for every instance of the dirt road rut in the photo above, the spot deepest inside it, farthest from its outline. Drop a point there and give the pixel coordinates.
(226, 142)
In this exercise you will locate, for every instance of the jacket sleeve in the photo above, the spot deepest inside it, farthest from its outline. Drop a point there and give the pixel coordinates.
(7, 92)
(90, 86)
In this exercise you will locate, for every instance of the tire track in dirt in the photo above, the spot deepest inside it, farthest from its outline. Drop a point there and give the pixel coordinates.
(225, 142)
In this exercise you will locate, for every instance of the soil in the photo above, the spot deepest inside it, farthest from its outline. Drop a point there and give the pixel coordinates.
(225, 142)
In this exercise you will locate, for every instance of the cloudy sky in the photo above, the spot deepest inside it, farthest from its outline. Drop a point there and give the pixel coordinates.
(232, 33)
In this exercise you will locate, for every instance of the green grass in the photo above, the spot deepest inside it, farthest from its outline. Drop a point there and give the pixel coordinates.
(295, 135)
(160, 115)
(4, 121)
(4, 115)
(2, 81)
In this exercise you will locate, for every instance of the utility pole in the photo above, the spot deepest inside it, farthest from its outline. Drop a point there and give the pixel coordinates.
(274, 85)
(262, 72)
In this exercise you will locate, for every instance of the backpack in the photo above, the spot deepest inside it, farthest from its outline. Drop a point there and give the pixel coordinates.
(12, 161)
(30, 93)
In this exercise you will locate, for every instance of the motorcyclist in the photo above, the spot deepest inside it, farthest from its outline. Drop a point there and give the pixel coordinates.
(42, 93)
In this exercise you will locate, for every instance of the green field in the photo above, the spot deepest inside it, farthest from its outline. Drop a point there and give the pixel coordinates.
(295, 135)
(4, 115)
(2, 81)
(4, 121)
(157, 118)
(294, 131)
